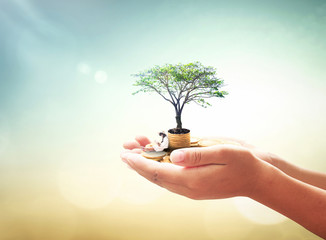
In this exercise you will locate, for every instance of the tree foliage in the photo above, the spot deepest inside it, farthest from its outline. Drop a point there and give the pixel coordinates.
(181, 84)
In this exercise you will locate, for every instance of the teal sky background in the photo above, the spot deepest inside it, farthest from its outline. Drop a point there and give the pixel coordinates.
(66, 84)
(277, 44)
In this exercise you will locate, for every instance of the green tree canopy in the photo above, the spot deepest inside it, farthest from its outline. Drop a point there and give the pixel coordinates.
(180, 84)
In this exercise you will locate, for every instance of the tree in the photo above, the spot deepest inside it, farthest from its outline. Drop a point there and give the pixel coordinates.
(181, 84)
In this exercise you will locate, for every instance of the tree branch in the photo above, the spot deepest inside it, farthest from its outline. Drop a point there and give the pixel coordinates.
(167, 88)
(160, 94)
(198, 97)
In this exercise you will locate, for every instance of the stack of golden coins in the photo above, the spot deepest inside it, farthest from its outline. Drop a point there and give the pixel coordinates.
(212, 142)
(194, 141)
(164, 156)
(166, 159)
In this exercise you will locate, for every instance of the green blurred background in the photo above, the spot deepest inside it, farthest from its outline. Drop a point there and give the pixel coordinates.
(66, 108)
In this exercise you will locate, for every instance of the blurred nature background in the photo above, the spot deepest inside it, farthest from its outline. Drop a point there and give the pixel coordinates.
(66, 107)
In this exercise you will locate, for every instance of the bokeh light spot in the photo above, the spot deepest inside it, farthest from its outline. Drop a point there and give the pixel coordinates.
(83, 68)
(222, 221)
(88, 185)
(257, 212)
(138, 190)
(49, 218)
(100, 77)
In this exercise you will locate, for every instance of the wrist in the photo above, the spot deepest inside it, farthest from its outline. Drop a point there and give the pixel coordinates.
(265, 180)
(276, 160)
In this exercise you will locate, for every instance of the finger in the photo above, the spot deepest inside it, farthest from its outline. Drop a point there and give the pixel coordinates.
(178, 187)
(154, 171)
(171, 177)
(126, 151)
(135, 150)
(184, 181)
(142, 140)
(131, 145)
(218, 154)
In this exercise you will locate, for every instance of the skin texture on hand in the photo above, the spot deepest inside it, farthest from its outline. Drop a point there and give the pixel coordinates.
(213, 173)
(314, 178)
(218, 177)
(224, 171)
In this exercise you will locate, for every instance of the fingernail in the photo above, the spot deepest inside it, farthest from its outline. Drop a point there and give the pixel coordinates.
(177, 156)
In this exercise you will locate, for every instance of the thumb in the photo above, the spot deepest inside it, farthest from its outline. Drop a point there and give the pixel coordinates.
(192, 157)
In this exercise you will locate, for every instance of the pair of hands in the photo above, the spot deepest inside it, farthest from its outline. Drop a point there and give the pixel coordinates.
(224, 171)
(220, 171)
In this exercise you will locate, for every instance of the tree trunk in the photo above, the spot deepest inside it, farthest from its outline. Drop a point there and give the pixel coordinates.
(178, 119)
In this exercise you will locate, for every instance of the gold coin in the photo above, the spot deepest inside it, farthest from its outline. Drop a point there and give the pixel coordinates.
(209, 142)
(154, 155)
(231, 142)
(213, 142)
(194, 140)
(166, 159)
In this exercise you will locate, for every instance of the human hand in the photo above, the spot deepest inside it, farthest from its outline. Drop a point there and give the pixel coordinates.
(271, 158)
(268, 157)
(223, 171)
(220, 171)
